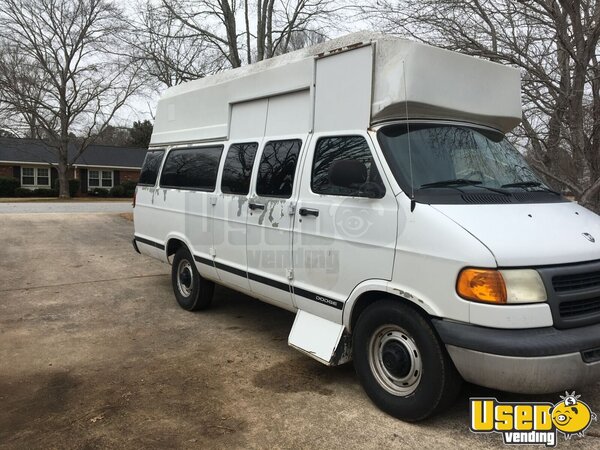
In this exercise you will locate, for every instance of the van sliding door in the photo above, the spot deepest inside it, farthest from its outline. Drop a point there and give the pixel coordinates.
(231, 205)
(272, 198)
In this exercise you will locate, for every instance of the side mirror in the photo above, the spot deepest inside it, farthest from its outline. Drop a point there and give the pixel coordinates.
(347, 173)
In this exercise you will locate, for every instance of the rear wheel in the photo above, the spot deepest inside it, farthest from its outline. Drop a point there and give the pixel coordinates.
(191, 290)
(401, 363)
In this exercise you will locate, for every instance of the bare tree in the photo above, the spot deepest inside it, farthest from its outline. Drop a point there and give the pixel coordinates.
(186, 39)
(169, 53)
(60, 71)
(555, 43)
(15, 68)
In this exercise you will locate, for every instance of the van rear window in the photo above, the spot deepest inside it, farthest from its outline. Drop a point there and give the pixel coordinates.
(238, 168)
(151, 167)
(277, 168)
(192, 168)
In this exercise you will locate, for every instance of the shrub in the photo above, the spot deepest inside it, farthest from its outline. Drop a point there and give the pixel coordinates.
(117, 191)
(129, 187)
(44, 192)
(74, 187)
(99, 192)
(23, 192)
(8, 186)
(125, 189)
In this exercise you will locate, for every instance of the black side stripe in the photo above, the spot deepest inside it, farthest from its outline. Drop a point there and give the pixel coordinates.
(318, 298)
(269, 282)
(273, 283)
(233, 270)
(201, 259)
(149, 242)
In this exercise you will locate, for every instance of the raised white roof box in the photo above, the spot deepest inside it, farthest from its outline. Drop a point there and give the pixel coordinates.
(347, 83)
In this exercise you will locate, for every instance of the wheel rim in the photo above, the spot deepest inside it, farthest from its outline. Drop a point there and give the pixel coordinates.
(395, 360)
(185, 278)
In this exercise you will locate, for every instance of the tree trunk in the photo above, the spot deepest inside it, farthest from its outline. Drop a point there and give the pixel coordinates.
(260, 30)
(63, 167)
(247, 22)
(230, 28)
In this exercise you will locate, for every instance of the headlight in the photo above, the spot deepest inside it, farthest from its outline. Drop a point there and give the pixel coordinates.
(501, 286)
(523, 286)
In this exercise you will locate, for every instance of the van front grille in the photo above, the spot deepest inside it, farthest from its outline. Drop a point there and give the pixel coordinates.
(579, 307)
(573, 282)
(573, 293)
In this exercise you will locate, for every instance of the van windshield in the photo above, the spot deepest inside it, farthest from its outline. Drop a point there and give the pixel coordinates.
(449, 161)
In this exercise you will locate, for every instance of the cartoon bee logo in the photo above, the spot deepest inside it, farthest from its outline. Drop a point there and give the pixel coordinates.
(571, 416)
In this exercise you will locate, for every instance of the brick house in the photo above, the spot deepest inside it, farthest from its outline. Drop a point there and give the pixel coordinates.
(34, 164)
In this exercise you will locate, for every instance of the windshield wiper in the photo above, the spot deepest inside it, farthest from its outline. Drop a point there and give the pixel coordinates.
(450, 183)
(462, 182)
(526, 184)
(522, 184)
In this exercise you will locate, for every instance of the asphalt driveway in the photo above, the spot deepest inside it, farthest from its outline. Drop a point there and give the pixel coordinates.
(95, 353)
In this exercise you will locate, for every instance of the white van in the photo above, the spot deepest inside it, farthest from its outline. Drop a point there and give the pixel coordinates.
(366, 185)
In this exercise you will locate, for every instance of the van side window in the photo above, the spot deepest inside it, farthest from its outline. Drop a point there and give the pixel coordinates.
(277, 168)
(347, 151)
(151, 167)
(238, 168)
(192, 168)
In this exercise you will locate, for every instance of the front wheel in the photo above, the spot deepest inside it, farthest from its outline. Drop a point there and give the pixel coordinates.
(401, 363)
(191, 290)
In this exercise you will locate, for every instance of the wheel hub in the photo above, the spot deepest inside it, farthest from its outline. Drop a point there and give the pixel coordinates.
(396, 359)
(185, 278)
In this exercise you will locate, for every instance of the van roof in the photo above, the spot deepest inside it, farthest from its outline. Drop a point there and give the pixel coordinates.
(409, 80)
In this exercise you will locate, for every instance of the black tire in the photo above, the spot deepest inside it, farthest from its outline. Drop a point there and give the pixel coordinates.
(192, 292)
(424, 383)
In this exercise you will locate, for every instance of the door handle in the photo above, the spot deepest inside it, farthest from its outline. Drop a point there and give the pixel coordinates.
(309, 212)
(254, 206)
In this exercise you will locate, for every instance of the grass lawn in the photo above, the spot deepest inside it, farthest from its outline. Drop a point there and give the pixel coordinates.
(61, 200)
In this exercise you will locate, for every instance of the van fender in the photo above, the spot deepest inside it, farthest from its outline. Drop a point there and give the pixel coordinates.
(396, 289)
(179, 237)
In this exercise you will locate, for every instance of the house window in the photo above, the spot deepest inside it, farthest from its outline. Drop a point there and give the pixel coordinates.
(43, 177)
(28, 176)
(100, 178)
(35, 176)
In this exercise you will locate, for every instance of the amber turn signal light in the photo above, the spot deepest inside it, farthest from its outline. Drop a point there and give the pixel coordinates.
(482, 285)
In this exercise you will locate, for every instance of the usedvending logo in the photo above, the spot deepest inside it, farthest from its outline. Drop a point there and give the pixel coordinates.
(536, 423)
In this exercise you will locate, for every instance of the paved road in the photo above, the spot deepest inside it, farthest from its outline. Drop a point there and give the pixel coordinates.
(60, 207)
(95, 354)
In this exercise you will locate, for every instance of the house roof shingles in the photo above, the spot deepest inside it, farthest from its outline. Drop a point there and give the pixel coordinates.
(14, 150)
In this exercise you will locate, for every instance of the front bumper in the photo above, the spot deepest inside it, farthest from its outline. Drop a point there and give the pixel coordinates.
(529, 361)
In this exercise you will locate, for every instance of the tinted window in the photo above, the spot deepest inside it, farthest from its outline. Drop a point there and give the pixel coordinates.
(150, 167)
(192, 168)
(238, 168)
(332, 150)
(277, 168)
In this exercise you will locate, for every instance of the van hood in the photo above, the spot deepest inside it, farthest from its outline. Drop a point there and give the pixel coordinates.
(531, 234)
